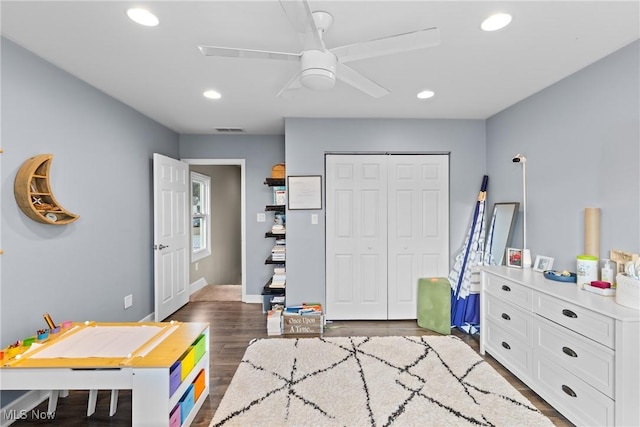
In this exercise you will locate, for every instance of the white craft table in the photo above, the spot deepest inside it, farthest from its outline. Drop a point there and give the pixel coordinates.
(145, 371)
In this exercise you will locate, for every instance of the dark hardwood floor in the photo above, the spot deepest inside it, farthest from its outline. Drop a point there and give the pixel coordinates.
(232, 326)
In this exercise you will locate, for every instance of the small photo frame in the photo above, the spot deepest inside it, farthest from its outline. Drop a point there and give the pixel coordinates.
(543, 263)
(514, 257)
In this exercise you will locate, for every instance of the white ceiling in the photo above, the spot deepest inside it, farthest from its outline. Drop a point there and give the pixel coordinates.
(160, 72)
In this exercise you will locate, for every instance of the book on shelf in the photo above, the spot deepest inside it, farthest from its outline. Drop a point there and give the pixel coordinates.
(278, 229)
(280, 195)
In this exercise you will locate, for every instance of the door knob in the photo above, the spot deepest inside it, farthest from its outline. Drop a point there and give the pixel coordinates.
(160, 247)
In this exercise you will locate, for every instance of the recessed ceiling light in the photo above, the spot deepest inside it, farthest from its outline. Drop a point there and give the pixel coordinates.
(212, 94)
(496, 22)
(426, 94)
(143, 17)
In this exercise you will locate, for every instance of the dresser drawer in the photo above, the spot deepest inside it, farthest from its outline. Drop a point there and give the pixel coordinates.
(508, 350)
(592, 325)
(590, 361)
(517, 321)
(509, 291)
(571, 396)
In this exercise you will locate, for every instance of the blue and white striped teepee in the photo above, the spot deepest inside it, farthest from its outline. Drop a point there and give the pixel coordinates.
(465, 296)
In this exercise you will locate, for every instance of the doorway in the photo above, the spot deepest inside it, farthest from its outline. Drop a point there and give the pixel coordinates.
(226, 266)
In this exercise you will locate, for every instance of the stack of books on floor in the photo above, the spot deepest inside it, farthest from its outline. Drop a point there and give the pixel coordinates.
(274, 322)
(303, 319)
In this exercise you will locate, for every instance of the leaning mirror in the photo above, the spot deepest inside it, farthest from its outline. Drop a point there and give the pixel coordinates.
(500, 230)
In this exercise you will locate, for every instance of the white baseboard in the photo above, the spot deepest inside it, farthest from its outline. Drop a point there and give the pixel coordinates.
(197, 285)
(20, 407)
(253, 299)
(148, 318)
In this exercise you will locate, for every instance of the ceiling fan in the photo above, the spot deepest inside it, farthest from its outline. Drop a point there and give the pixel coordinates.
(319, 66)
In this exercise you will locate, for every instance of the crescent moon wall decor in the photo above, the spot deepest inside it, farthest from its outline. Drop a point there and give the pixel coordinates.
(32, 190)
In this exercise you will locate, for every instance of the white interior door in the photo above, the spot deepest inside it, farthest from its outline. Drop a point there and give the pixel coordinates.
(170, 235)
(356, 237)
(418, 231)
(387, 225)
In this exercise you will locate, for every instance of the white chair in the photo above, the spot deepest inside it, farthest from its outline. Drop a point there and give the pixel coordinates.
(93, 397)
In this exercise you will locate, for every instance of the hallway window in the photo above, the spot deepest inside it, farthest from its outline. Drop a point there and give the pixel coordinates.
(200, 216)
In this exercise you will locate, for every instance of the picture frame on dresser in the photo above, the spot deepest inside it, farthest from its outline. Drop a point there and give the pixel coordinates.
(514, 257)
(543, 263)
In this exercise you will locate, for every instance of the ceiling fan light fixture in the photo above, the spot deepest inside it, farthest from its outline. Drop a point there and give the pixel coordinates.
(426, 94)
(143, 17)
(318, 79)
(318, 70)
(211, 94)
(496, 22)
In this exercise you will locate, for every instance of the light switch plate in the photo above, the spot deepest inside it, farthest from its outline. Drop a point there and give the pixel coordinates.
(314, 219)
(262, 217)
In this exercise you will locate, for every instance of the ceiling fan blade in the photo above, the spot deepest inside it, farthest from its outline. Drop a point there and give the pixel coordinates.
(360, 82)
(388, 45)
(247, 53)
(301, 18)
(292, 84)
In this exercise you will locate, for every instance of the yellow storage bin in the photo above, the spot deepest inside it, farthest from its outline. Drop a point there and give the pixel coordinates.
(187, 361)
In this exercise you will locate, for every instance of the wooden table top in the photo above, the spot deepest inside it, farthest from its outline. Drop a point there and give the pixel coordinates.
(160, 351)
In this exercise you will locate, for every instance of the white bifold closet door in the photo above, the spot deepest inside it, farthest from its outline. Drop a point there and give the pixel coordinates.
(387, 225)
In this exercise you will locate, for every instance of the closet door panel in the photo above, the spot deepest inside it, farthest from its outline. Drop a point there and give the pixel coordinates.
(356, 195)
(418, 227)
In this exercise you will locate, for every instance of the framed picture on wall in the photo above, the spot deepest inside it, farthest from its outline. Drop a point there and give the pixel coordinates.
(514, 257)
(304, 192)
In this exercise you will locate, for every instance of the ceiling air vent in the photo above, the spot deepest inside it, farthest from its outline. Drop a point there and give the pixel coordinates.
(230, 130)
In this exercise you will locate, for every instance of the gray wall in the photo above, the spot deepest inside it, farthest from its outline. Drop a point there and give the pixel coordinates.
(224, 265)
(260, 154)
(102, 171)
(307, 141)
(582, 142)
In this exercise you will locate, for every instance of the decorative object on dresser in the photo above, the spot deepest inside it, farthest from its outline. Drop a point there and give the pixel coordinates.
(501, 225)
(577, 350)
(514, 257)
(526, 254)
(543, 263)
(358, 381)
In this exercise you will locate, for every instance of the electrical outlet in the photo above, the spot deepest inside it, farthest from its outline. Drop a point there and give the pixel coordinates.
(196, 266)
(128, 301)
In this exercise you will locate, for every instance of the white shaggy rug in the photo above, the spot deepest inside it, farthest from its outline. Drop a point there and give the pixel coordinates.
(370, 381)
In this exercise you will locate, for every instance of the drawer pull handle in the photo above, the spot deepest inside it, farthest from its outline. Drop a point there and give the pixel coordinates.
(569, 352)
(505, 345)
(569, 313)
(568, 390)
(506, 288)
(505, 316)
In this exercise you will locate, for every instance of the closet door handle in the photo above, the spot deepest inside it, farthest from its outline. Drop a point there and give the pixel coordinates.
(569, 313)
(506, 288)
(505, 345)
(505, 316)
(569, 352)
(568, 390)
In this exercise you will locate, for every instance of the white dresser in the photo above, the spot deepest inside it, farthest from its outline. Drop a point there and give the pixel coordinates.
(579, 351)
